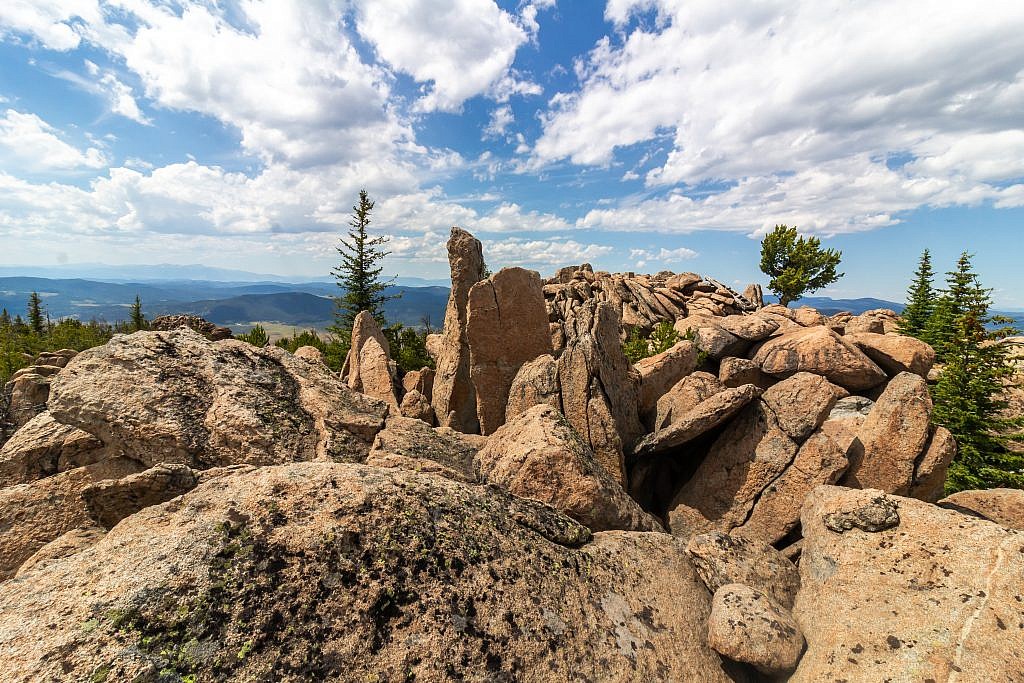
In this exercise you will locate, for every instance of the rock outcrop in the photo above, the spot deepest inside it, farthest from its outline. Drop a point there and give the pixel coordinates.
(942, 599)
(175, 397)
(506, 326)
(454, 398)
(341, 572)
(539, 455)
(821, 351)
(168, 323)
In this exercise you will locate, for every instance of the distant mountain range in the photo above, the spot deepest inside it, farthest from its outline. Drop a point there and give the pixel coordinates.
(240, 303)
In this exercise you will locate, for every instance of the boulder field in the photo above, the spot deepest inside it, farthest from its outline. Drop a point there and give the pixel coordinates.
(760, 502)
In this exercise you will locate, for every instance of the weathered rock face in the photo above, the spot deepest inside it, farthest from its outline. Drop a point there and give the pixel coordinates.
(821, 351)
(375, 373)
(892, 437)
(539, 455)
(942, 600)
(711, 337)
(364, 328)
(27, 393)
(802, 403)
(65, 545)
(600, 389)
(411, 444)
(453, 398)
(475, 581)
(168, 323)
(705, 416)
(660, 372)
(176, 397)
(1002, 506)
(36, 513)
(895, 353)
(722, 559)
(735, 372)
(112, 500)
(684, 396)
(536, 383)
(930, 469)
(748, 626)
(44, 447)
(310, 353)
(753, 328)
(416, 405)
(421, 380)
(750, 454)
(507, 325)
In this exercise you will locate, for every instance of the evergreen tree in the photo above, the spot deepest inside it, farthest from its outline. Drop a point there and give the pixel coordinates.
(796, 264)
(920, 300)
(35, 314)
(138, 320)
(358, 275)
(5, 318)
(969, 393)
(257, 336)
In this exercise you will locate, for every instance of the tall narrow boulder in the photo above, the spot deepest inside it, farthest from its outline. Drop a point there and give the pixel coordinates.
(454, 398)
(506, 326)
(600, 388)
(364, 328)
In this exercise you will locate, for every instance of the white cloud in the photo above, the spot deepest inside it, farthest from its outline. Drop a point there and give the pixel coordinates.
(29, 143)
(545, 253)
(642, 257)
(755, 95)
(501, 118)
(51, 22)
(460, 48)
(119, 96)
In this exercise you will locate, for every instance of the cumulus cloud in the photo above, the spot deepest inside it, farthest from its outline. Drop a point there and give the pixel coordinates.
(31, 144)
(753, 96)
(120, 97)
(541, 253)
(501, 118)
(51, 22)
(642, 257)
(457, 48)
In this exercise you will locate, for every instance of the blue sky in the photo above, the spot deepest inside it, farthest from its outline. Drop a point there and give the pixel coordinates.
(635, 134)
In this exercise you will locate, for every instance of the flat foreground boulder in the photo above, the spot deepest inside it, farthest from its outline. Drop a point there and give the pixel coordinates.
(343, 572)
(898, 589)
(1002, 506)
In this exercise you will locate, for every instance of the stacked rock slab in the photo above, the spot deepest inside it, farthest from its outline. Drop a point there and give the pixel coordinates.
(454, 398)
(506, 326)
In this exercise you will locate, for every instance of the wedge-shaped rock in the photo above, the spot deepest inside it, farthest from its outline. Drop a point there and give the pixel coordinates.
(710, 337)
(600, 388)
(1002, 506)
(684, 396)
(111, 500)
(176, 397)
(660, 372)
(821, 351)
(753, 328)
(43, 447)
(777, 511)
(33, 514)
(364, 328)
(750, 454)
(802, 403)
(892, 437)
(353, 573)
(705, 416)
(936, 596)
(507, 325)
(539, 455)
(721, 559)
(895, 353)
(748, 626)
(411, 444)
(735, 372)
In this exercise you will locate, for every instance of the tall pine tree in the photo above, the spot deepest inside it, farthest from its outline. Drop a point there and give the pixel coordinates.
(358, 275)
(138, 320)
(920, 300)
(968, 396)
(36, 319)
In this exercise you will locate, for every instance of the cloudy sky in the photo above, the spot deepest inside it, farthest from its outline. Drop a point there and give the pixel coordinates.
(636, 135)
